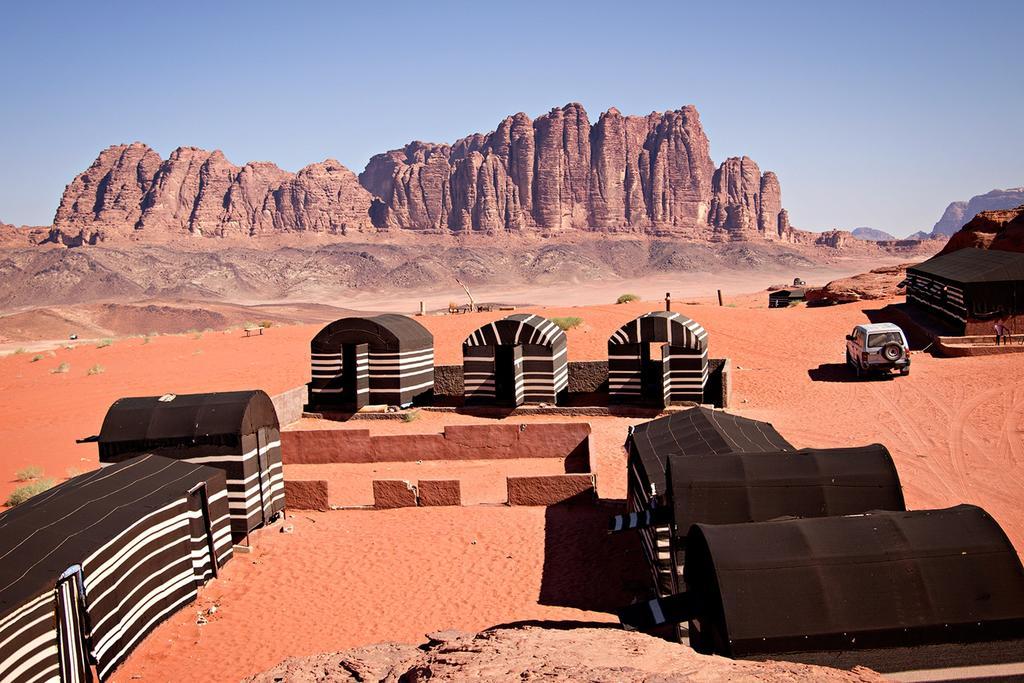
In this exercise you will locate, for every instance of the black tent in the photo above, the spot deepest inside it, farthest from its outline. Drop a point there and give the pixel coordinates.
(676, 372)
(696, 431)
(236, 431)
(519, 359)
(91, 566)
(381, 359)
(970, 288)
(783, 298)
(814, 589)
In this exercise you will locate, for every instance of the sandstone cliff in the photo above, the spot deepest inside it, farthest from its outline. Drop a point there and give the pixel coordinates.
(645, 174)
(958, 214)
(129, 191)
(991, 230)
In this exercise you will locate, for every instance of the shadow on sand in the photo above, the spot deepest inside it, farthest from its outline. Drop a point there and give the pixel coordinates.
(841, 372)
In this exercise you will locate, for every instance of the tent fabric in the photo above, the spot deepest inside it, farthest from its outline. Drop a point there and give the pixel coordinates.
(381, 359)
(539, 369)
(127, 531)
(969, 286)
(884, 579)
(736, 488)
(237, 432)
(974, 265)
(662, 326)
(678, 375)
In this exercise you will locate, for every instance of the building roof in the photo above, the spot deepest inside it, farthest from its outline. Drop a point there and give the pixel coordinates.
(974, 265)
(882, 579)
(190, 416)
(733, 488)
(61, 527)
(699, 431)
(388, 332)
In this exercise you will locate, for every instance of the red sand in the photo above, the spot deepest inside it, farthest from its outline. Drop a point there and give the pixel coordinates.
(354, 577)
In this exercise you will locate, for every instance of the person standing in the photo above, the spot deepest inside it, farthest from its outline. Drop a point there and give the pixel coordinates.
(1002, 334)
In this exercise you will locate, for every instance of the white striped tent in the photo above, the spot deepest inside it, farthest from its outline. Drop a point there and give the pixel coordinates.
(970, 288)
(236, 431)
(519, 359)
(361, 361)
(678, 373)
(697, 431)
(91, 566)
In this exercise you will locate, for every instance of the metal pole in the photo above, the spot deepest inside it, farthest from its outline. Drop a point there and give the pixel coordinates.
(720, 298)
(668, 301)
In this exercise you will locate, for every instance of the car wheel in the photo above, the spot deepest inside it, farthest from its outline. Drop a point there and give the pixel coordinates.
(904, 371)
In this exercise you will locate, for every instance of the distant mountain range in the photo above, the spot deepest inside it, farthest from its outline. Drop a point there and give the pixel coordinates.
(872, 234)
(959, 214)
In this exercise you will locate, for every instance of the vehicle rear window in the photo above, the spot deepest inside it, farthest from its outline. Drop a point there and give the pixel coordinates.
(883, 338)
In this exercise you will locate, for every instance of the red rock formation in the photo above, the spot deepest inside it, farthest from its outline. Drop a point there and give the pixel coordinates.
(991, 230)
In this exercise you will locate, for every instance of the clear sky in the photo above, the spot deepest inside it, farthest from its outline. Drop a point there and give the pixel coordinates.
(875, 114)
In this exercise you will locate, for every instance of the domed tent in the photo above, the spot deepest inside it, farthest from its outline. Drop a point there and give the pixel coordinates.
(236, 431)
(696, 431)
(936, 592)
(516, 360)
(361, 361)
(675, 371)
(91, 566)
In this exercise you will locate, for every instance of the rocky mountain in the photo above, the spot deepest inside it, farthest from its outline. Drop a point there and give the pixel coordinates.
(645, 174)
(871, 234)
(991, 230)
(958, 214)
(129, 191)
(530, 653)
(559, 172)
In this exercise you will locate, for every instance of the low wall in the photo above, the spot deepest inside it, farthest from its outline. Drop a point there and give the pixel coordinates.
(568, 440)
(306, 495)
(290, 404)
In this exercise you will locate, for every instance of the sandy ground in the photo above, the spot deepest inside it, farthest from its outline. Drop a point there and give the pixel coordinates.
(955, 427)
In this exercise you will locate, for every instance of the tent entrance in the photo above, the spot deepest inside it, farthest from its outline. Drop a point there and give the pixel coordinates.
(71, 629)
(204, 554)
(508, 374)
(355, 374)
(652, 373)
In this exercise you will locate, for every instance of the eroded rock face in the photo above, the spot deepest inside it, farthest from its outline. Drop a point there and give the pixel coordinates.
(649, 174)
(880, 283)
(530, 653)
(991, 230)
(957, 214)
(129, 191)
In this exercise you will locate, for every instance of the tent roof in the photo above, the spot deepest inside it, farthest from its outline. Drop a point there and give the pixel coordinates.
(390, 331)
(974, 265)
(874, 580)
(662, 326)
(733, 488)
(519, 328)
(61, 527)
(699, 431)
(187, 416)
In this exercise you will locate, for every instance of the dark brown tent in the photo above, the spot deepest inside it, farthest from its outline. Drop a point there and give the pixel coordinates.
(896, 591)
(91, 566)
(236, 431)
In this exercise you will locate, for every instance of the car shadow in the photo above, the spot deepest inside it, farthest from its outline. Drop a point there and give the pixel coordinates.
(841, 372)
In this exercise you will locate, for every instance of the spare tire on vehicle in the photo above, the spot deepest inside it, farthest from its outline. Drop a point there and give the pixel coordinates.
(892, 352)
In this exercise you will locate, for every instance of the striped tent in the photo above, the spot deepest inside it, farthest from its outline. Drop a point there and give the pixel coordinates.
(360, 361)
(697, 431)
(675, 373)
(519, 359)
(929, 594)
(91, 566)
(236, 431)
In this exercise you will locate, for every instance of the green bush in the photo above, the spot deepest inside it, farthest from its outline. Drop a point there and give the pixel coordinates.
(95, 370)
(29, 473)
(37, 357)
(18, 351)
(626, 298)
(104, 343)
(266, 323)
(23, 493)
(411, 416)
(61, 369)
(567, 323)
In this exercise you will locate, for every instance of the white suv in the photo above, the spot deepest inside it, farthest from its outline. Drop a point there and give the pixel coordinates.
(880, 346)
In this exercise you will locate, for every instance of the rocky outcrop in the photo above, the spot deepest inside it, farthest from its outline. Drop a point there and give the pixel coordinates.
(130, 192)
(647, 174)
(880, 283)
(991, 230)
(958, 214)
(530, 653)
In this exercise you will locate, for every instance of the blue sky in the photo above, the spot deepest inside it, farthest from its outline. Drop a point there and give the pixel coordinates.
(874, 114)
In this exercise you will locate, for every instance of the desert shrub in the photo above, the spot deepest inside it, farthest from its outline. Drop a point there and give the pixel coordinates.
(95, 370)
(61, 369)
(23, 493)
(266, 323)
(567, 323)
(29, 473)
(411, 416)
(626, 298)
(18, 351)
(104, 343)
(197, 335)
(37, 357)
(146, 338)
